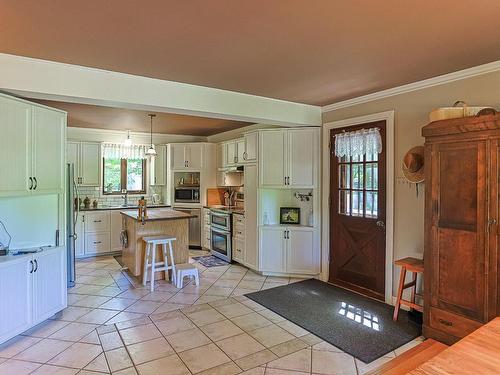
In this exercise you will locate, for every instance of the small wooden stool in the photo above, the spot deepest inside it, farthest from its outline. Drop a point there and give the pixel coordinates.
(411, 265)
(150, 261)
(189, 270)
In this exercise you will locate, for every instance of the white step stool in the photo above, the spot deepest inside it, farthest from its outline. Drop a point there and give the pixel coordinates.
(150, 261)
(186, 269)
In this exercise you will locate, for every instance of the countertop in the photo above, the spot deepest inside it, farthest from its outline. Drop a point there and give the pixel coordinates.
(227, 209)
(159, 214)
(10, 258)
(111, 208)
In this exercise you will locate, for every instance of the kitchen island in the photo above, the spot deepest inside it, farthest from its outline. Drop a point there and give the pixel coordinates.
(160, 221)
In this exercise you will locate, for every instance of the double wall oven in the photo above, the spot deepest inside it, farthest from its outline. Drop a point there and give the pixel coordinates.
(220, 228)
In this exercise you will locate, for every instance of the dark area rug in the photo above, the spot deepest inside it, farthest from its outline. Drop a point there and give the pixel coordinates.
(356, 324)
(210, 261)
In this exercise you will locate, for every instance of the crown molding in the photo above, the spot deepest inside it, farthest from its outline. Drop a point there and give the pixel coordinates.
(419, 85)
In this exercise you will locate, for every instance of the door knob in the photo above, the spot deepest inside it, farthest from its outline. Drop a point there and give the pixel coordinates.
(380, 223)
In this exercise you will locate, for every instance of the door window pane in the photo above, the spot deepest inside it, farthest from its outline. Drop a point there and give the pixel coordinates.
(357, 203)
(344, 176)
(357, 176)
(345, 202)
(371, 204)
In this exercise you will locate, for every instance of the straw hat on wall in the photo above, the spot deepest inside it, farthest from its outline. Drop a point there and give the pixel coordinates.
(413, 165)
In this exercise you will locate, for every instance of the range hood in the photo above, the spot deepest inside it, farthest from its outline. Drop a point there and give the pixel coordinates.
(235, 169)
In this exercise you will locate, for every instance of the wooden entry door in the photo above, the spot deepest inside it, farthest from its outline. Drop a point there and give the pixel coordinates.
(357, 218)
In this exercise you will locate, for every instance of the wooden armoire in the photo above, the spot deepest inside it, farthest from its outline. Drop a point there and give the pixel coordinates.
(462, 231)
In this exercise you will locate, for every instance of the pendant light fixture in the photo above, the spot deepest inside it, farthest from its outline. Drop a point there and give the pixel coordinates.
(128, 141)
(151, 150)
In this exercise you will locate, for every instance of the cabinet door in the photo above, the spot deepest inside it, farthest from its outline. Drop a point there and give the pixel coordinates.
(158, 167)
(272, 158)
(90, 163)
(49, 283)
(48, 150)
(115, 230)
(301, 151)
(231, 153)
(194, 156)
(15, 296)
(251, 245)
(97, 243)
(80, 235)
(272, 249)
(302, 255)
(251, 144)
(240, 151)
(455, 252)
(221, 155)
(15, 147)
(177, 156)
(238, 250)
(73, 156)
(97, 221)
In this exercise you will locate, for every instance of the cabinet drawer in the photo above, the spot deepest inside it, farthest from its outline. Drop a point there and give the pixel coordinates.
(97, 222)
(239, 231)
(455, 325)
(238, 249)
(97, 243)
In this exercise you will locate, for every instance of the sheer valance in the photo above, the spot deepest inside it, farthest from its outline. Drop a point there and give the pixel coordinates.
(358, 143)
(121, 151)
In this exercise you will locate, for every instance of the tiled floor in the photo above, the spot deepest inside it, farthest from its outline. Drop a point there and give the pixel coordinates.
(113, 325)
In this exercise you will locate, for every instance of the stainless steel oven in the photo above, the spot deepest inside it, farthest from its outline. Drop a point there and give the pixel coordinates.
(220, 235)
(187, 194)
(220, 220)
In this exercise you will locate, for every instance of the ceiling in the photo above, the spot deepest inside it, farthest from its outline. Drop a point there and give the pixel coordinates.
(93, 116)
(314, 52)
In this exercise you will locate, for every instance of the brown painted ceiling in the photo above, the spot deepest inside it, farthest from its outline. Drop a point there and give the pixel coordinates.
(314, 51)
(93, 116)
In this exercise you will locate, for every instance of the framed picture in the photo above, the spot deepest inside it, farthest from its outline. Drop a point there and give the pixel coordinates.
(289, 215)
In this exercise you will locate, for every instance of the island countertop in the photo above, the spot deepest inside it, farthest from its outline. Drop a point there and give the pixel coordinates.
(159, 214)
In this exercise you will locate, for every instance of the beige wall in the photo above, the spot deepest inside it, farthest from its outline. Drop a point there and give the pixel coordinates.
(411, 112)
(236, 133)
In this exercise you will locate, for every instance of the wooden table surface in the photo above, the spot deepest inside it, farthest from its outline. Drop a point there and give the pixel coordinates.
(477, 353)
(159, 214)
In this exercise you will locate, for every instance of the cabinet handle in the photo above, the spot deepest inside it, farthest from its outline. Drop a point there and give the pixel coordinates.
(445, 322)
(36, 266)
(97, 221)
(36, 183)
(96, 243)
(245, 155)
(32, 266)
(235, 159)
(31, 183)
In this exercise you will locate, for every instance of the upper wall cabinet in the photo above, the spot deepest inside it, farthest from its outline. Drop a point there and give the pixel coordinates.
(251, 146)
(158, 166)
(186, 156)
(288, 158)
(31, 148)
(238, 151)
(86, 157)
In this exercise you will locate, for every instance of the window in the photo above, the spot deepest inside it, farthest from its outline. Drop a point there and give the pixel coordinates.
(124, 174)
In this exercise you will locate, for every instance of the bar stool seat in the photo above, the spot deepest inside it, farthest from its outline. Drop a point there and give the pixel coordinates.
(150, 258)
(415, 266)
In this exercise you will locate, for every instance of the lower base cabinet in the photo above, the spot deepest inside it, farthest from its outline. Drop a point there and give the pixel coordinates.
(98, 233)
(32, 289)
(292, 250)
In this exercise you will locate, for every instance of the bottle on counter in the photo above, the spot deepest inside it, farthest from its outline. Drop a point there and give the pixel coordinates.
(143, 210)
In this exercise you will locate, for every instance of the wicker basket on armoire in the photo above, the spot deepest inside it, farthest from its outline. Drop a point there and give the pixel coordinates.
(462, 231)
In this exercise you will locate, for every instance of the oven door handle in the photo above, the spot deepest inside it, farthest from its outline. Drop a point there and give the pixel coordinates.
(220, 231)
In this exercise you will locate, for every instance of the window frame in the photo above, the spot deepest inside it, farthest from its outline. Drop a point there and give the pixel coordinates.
(123, 178)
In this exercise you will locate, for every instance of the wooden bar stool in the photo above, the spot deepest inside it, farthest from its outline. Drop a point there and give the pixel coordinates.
(150, 258)
(411, 265)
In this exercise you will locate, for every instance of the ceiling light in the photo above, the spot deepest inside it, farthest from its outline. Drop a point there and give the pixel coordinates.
(151, 150)
(128, 141)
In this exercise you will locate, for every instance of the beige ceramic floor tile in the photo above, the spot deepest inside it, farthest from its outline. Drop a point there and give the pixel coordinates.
(229, 368)
(142, 321)
(118, 304)
(144, 307)
(97, 316)
(99, 364)
(157, 296)
(78, 355)
(174, 324)
(254, 371)
(240, 346)
(127, 371)
(91, 338)
(118, 359)
(167, 307)
(138, 334)
(134, 293)
(251, 284)
(124, 316)
(159, 366)
(206, 299)
(54, 370)
(288, 347)
(251, 321)
(16, 345)
(325, 346)
(149, 350)
(72, 313)
(203, 358)
(184, 298)
(46, 328)
(274, 371)
(365, 367)
(111, 340)
(219, 291)
(234, 310)
(74, 331)
(272, 316)
(43, 350)
(331, 363)
(292, 328)
(298, 361)
(189, 339)
(13, 366)
(92, 301)
(205, 317)
(271, 335)
(221, 330)
(256, 359)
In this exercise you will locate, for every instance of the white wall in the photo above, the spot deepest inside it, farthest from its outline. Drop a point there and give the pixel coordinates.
(237, 133)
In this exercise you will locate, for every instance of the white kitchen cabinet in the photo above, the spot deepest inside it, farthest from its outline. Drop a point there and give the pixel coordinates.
(288, 158)
(49, 283)
(239, 250)
(251, 244)
(240, 151)
(115, 230)
(231, 153)
(272, 249)
(15, 296)
(97, 243)
(80, 235)
(97, 221)
(73, 157)
(251, 142)
(272, 158)
(86, 157)
(186, 156)
(221, 155)
(32, 289)
(205, 224)
(158, 166)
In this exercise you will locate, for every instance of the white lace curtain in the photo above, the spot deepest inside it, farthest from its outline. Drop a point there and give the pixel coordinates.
(358, 143)
(121, 151)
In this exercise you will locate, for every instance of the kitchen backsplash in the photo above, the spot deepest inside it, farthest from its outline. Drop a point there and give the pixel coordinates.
(94, 193)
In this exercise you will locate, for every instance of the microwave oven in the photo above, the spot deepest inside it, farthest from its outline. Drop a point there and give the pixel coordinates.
(187, 194)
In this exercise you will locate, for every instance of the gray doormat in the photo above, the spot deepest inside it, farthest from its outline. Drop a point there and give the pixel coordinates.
(356, 324)
(210, 261)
